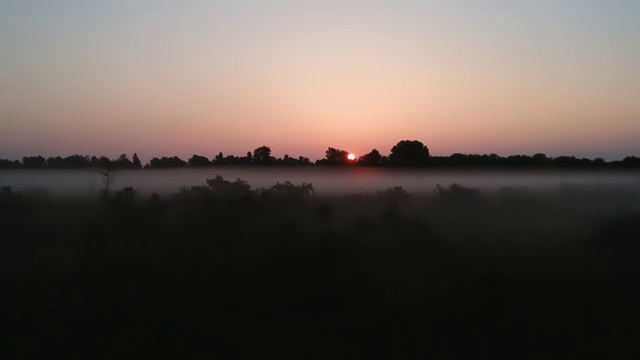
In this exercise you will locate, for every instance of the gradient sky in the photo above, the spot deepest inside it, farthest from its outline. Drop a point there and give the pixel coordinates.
(181, 77)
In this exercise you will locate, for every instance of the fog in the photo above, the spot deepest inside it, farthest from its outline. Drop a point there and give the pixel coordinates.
(439, 275)
(325, 181)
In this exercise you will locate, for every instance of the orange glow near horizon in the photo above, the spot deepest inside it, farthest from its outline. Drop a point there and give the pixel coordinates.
(351, 157)
(197, 77)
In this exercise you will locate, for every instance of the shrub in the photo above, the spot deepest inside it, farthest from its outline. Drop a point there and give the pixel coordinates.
(127, 194)
(288, 190)
(221, 187)
(456, 191)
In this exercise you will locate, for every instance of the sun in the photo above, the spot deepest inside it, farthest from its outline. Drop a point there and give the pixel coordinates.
(351, 157)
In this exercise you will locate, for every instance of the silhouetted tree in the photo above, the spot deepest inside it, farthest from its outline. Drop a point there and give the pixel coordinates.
(287, 190)
(122, 162)
(493, 159)
(631, 162)
(371, 159)
(303, 160)
(219, 159)
(104, 162)
(8, 164)
(34, 162)
(334, 156)
(599, 163)
(127, 194)
(108, 178)
(565, 162)
(137, 164)
(540, 160)
(227, 189)
(231, 160)
(262, 156)
(245, 160)
(517, 161)
(459, 160)
(409, 153)
(76, 161)
(404, 153)
(167, 162)
(54, 162)
(70, 162)
(455, 191)
(199, 161)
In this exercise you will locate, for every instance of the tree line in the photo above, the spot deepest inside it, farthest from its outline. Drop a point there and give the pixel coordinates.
(406, 153)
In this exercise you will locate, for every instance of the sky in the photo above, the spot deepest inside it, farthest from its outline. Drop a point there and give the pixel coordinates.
(164, 78)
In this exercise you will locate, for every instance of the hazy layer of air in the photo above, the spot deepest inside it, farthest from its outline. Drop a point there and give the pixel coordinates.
(325, 181)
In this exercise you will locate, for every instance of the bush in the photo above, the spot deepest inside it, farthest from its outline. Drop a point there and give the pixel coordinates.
(456, 191)
(127, 194)
(287, 190)
(224, 188)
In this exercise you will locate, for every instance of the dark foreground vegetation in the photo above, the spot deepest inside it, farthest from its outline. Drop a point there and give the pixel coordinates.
(406, 153)
(222, 269)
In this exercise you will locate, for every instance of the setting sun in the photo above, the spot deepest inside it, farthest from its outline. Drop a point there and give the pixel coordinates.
(351, 157)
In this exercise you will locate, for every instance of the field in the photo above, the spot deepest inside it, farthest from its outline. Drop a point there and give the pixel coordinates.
(223, 269)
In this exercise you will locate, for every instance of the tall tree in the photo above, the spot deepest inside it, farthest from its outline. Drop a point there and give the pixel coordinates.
(34, 162)
(8, 164)
(123, 162)
(137, 164)
(262, 155)
(198, 161)
(167, 162)
(409, 153)
(371, 159)
(219, 159)
(335, 156)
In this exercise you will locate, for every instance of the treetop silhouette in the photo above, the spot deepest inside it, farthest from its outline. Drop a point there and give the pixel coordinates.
(409, 153)
(406, 153)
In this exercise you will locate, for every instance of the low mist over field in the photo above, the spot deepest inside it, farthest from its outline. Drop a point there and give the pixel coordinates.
(297, 273)
(325, 181)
